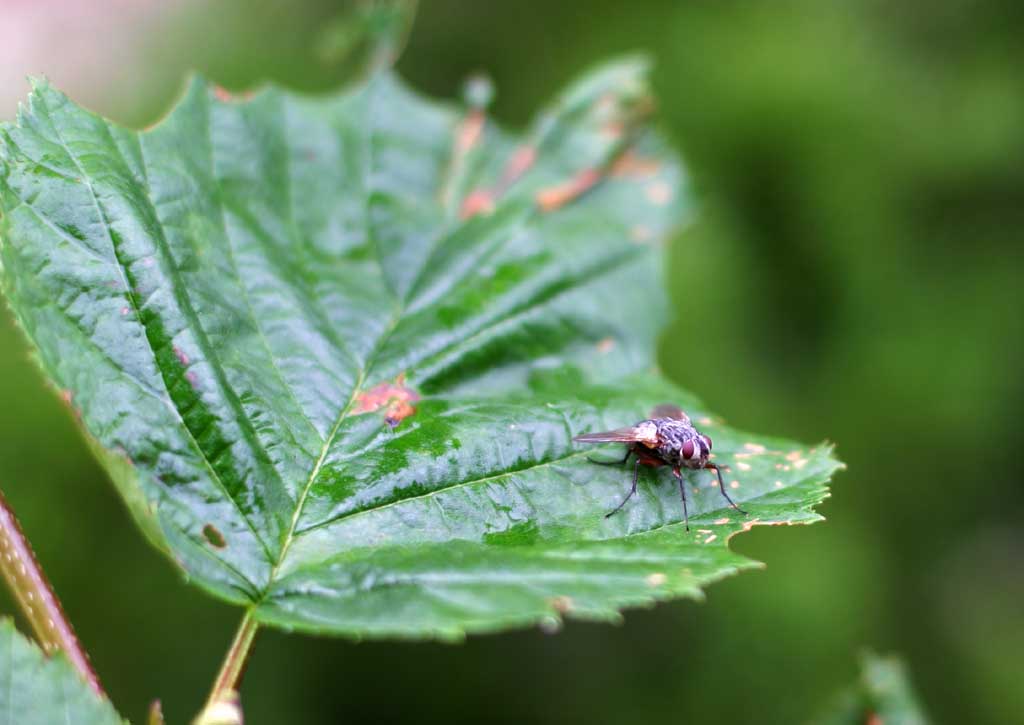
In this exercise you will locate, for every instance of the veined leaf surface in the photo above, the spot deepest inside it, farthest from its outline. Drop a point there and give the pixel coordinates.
(333, 350)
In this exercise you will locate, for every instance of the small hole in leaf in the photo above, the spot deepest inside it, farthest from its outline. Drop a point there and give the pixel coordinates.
(214, 536)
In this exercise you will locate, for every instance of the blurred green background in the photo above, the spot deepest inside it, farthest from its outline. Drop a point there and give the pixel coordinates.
(856, 274)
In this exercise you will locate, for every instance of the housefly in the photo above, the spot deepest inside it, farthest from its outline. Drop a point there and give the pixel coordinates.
(667, 438)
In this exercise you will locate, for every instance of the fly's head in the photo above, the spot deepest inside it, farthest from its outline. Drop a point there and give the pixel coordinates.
(694, 451)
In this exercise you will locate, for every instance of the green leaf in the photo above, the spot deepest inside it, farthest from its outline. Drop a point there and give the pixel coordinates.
(35, 688)
(882, 696)
(333, 350)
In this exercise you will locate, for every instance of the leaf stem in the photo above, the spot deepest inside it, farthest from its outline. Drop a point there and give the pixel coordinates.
(36, 597)
(225, 687)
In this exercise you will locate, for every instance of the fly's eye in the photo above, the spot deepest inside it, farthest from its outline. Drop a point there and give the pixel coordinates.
(707, 439)
(687, 450)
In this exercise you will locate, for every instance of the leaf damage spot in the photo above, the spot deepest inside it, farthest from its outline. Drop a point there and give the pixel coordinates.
(468, 134)
(742, 466)
(223, 95)
(606, 345)
(396, 398)
(562, 604)
(656, 579)
(478, 201)
(659, 193)
(470, 131)
(630, 164)
(555, 197)
(710, 538)
(723, 520)
(180, 354)
(214, 537)
(518, 164)
(483, 200)
(755, 448)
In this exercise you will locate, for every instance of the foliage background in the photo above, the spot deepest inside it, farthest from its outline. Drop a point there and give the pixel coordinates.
(856, 273)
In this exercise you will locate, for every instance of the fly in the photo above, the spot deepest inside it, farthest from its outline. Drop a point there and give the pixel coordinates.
(667, 438)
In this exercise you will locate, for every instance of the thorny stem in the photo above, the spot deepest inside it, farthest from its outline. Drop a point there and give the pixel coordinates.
(35, 596)
(228, 679)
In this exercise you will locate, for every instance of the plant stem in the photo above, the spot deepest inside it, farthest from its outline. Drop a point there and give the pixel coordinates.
(230, 675)
(35, 596)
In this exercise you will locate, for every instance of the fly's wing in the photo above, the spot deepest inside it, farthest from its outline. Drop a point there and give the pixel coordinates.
(668, 410)
(645, 432)
(630, 434)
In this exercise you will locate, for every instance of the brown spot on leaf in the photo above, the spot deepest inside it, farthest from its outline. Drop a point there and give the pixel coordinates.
(562, 604)
(396, 399)
(518, 164)
(225, 96)
(67, 396)
(656, 579)
(214, 537)
(479, 201)
(469, 132)
(631, 164)
(555, 197)
(606, 345)
(180, 354)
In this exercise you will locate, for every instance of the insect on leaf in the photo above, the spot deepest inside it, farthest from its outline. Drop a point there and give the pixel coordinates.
(333, 350)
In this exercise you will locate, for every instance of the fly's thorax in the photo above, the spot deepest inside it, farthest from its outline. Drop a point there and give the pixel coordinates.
(681, 444)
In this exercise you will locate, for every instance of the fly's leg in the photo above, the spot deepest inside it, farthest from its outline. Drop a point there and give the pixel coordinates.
(632, 490)
(721, 487)
(682, 494)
